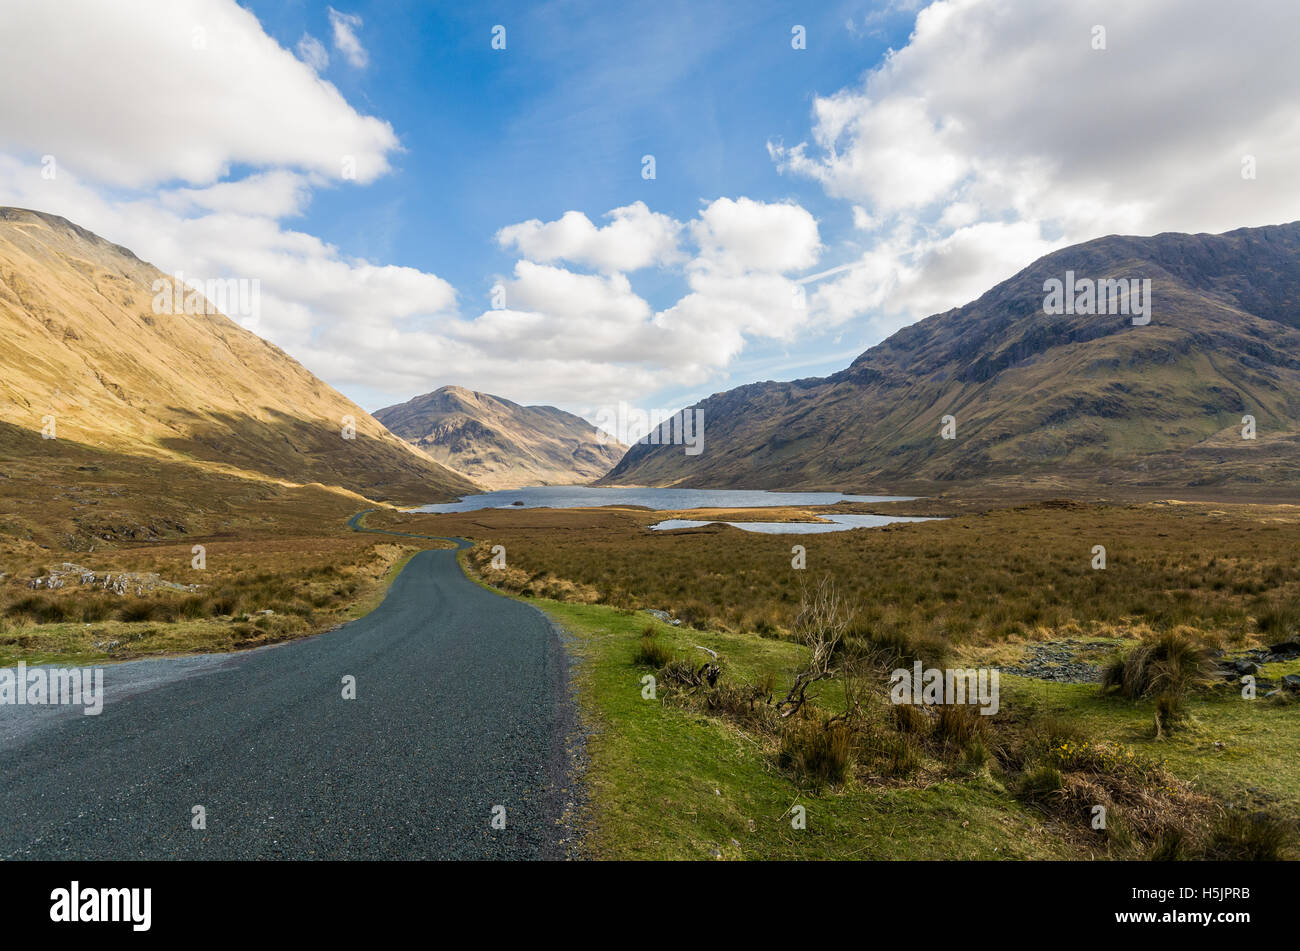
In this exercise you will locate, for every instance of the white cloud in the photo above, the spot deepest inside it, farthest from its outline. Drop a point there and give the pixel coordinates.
(738, 291)
(159, 109)
(951, 185)
(739, 288)
(743, 235)
(312, 52)
(998, 134)
(635, 238)
(275, 194)
(345, 38)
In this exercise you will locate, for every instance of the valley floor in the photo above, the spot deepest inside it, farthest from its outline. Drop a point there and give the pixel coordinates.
(711, 770)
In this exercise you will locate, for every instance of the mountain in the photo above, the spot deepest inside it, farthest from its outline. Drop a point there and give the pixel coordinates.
(501, 444)
(86, 351)
(1037, 398)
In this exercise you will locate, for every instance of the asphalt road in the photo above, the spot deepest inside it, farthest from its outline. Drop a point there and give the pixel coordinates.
(461, 706)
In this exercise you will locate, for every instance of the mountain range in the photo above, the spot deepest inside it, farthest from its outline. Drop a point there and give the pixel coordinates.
(91, 360)
(1008, 390)
(500, 444)
(1033, 397)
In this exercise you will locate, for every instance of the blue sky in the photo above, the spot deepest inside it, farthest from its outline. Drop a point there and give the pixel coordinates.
(561, 118)
(806, 204)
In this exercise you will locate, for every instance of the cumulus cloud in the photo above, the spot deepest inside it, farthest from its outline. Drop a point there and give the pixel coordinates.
(738, 291)
(950, 185)
(999, 133)
(635, 238)
(183, 90)
(743, 235)
(345, 26)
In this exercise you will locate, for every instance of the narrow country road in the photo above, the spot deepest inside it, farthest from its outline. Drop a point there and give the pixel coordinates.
(462, 706)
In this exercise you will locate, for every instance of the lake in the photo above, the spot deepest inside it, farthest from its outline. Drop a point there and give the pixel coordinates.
(831, 523)
(581, 496)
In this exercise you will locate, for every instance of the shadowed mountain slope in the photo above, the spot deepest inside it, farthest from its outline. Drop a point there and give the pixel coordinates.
(1042, 399)
(88, 358)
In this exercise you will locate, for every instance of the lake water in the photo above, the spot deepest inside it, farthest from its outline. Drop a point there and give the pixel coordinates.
(581, 496)
(832, 523)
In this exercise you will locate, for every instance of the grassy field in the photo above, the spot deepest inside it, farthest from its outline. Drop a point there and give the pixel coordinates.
(250, 592)
(706, 771)
(279, 561)
(986, 575)
(670, 782)
(709, 768)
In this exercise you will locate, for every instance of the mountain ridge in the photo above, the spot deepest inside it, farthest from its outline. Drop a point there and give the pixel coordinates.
(502, 444)
(90, 358)
(1082, 398)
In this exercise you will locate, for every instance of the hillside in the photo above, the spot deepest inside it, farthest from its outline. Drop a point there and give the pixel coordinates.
(501, 444)
(1039, 400)
(85, 350)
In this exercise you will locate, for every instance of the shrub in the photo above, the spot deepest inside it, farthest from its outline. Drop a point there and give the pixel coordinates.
(39, 610)
(143, 609)
(651, 653)
(959, 723)
(893, 647)
(1048, 731)
(1257, 837)
(94, 610)
(975, 756)
(746, 704)
(1041, 783)
(822, 753)
(193, 607)
(1279, 622)
(909, 718)
(897, 755)
(1170, 664)
(223, 605)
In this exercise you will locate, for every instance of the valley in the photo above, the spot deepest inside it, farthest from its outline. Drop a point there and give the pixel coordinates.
(179, 530)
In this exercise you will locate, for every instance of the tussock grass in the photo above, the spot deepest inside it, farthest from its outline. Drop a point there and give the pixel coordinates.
(1022, 572)
(651, 653)
(306, 584)
(1169, 665)
(821, 753)
(1250, 837)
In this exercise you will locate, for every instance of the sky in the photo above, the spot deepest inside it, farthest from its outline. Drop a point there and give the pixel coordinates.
(582, 204)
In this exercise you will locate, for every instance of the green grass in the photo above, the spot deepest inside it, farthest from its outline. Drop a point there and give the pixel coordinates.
(1259, 738)
(667, 783)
